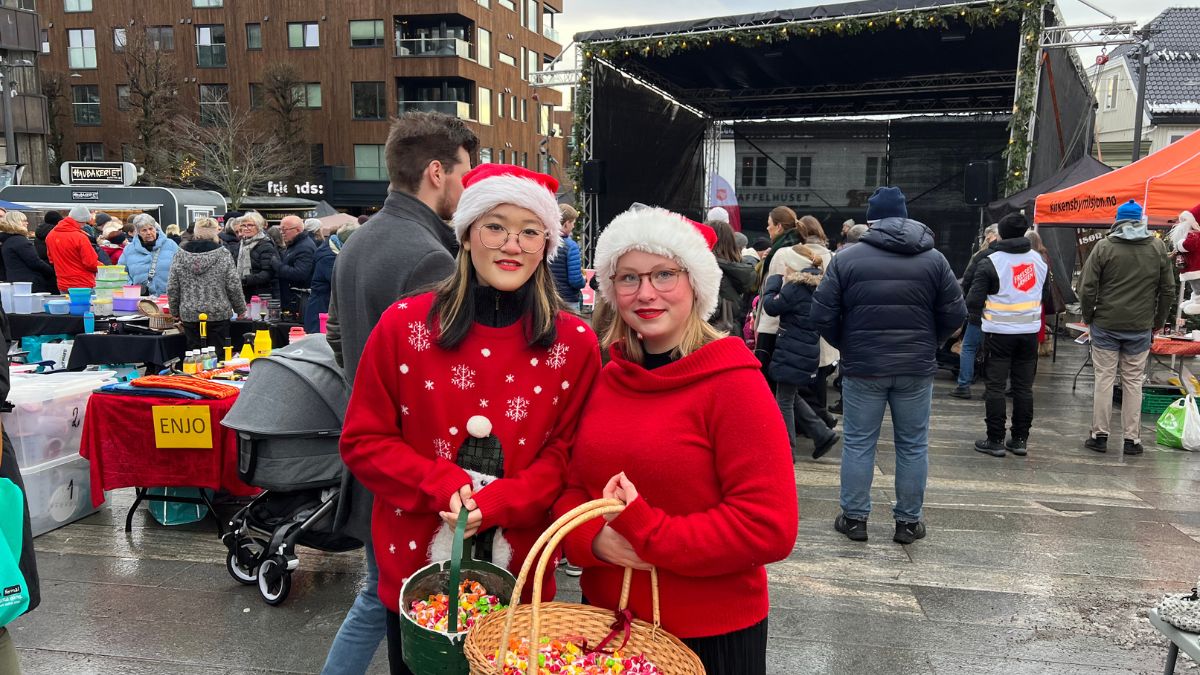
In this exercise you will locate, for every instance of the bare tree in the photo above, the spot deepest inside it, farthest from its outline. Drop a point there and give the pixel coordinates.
(153, 76)
(229, 151)
(284, 103)
(54, 88)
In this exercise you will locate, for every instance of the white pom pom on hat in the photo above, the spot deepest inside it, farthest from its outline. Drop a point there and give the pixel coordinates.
(489, 185)
(666, 233)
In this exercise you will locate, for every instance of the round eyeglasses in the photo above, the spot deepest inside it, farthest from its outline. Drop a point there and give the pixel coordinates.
(664, 280)
(530, 239)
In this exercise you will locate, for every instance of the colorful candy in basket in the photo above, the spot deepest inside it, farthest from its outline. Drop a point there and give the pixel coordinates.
(474, 603)
(567, 657)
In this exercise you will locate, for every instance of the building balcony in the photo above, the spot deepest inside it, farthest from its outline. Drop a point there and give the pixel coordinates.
(551, 33)
(459, 109)
(413, 47)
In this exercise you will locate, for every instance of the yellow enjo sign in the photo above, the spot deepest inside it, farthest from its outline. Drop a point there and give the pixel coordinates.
(182, 426)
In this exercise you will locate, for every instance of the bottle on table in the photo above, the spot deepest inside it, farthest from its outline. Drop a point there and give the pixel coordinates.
(262, 341)
(89, 322)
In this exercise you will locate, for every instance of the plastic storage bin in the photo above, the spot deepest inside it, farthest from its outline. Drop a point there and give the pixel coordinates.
(59, 492)
(58, 306)
(47, 418)
(23, 303)
(125, 305)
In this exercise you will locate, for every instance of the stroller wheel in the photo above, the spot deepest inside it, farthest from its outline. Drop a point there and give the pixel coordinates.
(240, 563)
(274, 581)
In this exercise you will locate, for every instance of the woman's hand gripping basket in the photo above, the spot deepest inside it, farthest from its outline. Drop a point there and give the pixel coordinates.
(488, 646)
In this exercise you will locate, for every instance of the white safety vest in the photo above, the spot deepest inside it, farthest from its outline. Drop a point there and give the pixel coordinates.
(1017, 307)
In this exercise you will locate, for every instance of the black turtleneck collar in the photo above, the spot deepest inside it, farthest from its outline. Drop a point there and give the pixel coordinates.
(497, 309)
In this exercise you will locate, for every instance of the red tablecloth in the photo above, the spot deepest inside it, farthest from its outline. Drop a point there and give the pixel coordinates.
(1175, 347)
(118, 440)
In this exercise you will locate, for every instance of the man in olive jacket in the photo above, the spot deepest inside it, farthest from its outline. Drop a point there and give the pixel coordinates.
(1126, 293)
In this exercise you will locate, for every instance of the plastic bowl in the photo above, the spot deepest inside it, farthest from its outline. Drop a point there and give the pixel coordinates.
(59, 306)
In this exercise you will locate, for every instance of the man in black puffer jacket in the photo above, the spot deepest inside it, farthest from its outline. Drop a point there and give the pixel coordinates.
(887, 304)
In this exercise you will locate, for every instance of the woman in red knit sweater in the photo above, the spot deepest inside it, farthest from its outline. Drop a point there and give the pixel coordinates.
(469, 396)
(705, 507)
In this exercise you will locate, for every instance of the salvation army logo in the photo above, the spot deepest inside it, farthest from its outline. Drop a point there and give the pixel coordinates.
(1024, 277)
(722, 194)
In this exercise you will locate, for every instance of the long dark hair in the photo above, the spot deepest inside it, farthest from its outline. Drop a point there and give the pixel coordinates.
(454, 305)
(726, 248)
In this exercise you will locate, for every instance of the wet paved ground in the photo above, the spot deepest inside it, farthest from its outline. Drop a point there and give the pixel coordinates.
(1036, 565)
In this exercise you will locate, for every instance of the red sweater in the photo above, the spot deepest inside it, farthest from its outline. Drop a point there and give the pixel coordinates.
(75, 261)
(704, 443)
(408, 417)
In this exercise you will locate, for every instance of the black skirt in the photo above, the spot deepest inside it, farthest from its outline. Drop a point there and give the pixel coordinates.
(742, 652)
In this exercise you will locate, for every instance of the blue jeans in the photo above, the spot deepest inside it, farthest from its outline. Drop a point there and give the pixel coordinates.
(363, 628)
(972, 338)
(863, 400)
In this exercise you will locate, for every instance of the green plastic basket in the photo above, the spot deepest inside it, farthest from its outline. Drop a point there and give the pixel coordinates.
(431, 652)
(1155, 402)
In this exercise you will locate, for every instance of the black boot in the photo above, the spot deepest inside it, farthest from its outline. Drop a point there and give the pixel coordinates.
(1097, 443)
(990, 447)
(1018, 446)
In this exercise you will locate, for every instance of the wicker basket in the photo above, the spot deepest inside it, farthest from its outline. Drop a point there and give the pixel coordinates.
(559, 619)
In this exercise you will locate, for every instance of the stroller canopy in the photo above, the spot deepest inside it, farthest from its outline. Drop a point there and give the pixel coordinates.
(298, 390)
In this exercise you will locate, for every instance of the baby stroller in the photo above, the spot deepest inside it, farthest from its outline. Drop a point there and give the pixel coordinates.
(288, 418)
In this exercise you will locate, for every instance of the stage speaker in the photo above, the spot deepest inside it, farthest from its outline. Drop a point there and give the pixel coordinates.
(979, 183)
(593, 177)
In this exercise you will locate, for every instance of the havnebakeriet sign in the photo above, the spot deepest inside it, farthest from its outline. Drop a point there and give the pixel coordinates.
(98, 173)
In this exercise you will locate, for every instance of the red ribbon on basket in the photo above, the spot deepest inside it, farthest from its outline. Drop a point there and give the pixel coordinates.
(623, 623)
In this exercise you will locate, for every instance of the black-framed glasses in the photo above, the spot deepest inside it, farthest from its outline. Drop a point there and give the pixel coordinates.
(530, 239)
(663, 280)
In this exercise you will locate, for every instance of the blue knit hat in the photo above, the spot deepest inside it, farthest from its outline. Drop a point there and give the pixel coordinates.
(887, 202)
(1130, 210)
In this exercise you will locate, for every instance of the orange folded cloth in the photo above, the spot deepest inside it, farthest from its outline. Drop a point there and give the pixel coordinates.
(205, 388)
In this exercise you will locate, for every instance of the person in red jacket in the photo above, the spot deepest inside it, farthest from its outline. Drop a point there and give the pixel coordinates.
(468, 396)
(71, 251)
(662, 434)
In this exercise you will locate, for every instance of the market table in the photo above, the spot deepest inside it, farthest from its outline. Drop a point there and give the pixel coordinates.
(1159, 346)
(1188, 642)
(279, 333)
(21, 325)
(124, 441)
(103, 348)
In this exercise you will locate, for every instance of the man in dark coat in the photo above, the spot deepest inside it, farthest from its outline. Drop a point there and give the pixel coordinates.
(294, 267)
(886, 304)
(404, 248)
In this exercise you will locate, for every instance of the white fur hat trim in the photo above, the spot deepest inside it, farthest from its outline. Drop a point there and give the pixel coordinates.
(661, 232)
(489, 193)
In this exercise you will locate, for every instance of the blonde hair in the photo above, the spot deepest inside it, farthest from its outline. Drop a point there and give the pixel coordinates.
(811, 255)
(206, 229)
(569, 214)
(171, 229)
(14, 222)
(696, 333)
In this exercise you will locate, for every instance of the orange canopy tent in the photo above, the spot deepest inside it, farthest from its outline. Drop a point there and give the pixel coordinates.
(1164, 183)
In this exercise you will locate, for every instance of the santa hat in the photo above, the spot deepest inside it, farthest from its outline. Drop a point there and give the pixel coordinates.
(1195, 211)
(489, 185)
(662, 232)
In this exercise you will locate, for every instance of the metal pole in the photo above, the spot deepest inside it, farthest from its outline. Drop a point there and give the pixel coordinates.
(10, 138)
(1141, 101)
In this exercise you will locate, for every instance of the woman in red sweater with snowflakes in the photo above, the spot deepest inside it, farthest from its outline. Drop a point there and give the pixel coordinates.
(469, 396)
(707, 480)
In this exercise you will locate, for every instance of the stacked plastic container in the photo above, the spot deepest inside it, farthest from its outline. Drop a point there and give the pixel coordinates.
(46, 427)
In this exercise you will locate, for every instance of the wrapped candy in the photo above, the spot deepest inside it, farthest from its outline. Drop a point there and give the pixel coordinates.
(474, 603)
(567, 657)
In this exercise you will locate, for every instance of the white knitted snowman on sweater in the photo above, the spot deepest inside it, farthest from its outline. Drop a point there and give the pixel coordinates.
(482, 457)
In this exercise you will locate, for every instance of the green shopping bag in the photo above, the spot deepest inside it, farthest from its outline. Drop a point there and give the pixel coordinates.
(14, 594)
(1169, 430)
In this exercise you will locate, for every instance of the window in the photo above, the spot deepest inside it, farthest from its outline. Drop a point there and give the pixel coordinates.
(369, 163)
(123, 97)
(524, 62)
(214, 103)
(366, 33)
(1177, 137)
(208, 3)
(507, 4)
(797, 171)
(531, 65)
(77, 5)
(210, 46)
(544, 115)
(525, 159)
(512, 107)
(81, 48)
(369, 100)
(483, 47)
(254, 36)
(524, 110)
(531, 14)
(506, 59)
(754, 172)
(161, 38)
(503, 158)
(45, 41)
(85, 99)
(304, 36)
(1110, 95)
(500, 104)
(308, 95)
(257, 95)
(873, 177)
(90, 152)
(485, 105)
(485, 155)
(118, 40)
(485, 3)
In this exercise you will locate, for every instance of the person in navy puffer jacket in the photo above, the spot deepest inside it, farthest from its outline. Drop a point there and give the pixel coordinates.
(567, 268)
(887, 304)
(797, 355)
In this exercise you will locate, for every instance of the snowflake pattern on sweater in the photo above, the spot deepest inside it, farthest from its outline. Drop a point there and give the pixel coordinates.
(409, 411)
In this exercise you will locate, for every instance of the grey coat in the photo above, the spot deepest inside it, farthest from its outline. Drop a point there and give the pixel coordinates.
(204, 279)
(403, 249)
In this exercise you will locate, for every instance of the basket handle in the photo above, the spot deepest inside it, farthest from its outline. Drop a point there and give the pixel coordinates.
(456, 554)
(544, 549)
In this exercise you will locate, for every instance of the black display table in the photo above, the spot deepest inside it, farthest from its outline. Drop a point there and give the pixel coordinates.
(93, 349)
